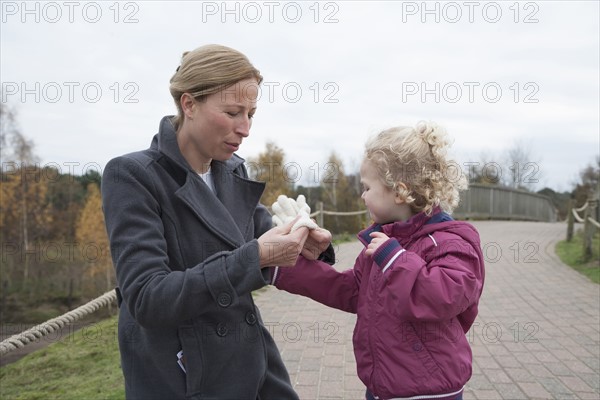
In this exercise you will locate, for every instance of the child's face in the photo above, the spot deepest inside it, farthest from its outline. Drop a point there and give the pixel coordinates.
(382, 202)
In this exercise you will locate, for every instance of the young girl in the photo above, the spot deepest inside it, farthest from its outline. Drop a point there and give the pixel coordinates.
(416, 284)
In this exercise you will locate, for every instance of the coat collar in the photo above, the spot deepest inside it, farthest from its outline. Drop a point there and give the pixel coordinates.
(405, 229)
(229, 214)
(166, 143)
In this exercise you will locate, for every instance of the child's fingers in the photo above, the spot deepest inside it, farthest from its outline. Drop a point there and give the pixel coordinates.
(378, 235)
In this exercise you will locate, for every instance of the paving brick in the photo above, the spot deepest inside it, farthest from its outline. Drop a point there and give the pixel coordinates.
(487, 394)
(588, 395)
(354, 394)
(312, 352)
(307, 392)
(558, 369)
(353, 383)
(308, 378)
(510, 391)
(535, 390)
(592, 379)
(333, 360)
(310, 364)
(554, 386)
(579, 367)
(497, 376)
(479, 382)
(487, 363)
(592, 362)
(526, 358)
(508, 361)
(563, 354)
(520, 375)
(538, 370)
(332, 373)
(331, 389)
(545, 357)
(575, 383)
(350, 367)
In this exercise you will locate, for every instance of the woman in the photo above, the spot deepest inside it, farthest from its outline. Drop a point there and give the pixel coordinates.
(190, 242)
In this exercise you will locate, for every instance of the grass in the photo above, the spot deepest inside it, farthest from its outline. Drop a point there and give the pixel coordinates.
(84, 364)
(345, 237)
(571, 253)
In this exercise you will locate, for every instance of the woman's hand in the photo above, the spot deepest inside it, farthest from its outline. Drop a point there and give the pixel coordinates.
(378, 238)
(317, 242)
(281, 247)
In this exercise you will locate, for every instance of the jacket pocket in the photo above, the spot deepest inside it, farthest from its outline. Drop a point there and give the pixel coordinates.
(426, 368)
(192, 360)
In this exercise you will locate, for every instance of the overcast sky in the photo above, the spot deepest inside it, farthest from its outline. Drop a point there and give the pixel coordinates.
(89, 80)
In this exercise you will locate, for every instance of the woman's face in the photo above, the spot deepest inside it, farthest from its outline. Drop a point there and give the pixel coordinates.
(215, 127)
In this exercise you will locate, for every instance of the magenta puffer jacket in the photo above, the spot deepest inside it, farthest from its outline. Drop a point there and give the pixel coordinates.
(415, 300)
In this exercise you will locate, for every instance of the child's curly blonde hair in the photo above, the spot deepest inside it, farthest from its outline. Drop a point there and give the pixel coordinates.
(416, 158)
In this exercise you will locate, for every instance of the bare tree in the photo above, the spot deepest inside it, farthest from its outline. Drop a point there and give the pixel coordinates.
(522, 166)
(18, 159)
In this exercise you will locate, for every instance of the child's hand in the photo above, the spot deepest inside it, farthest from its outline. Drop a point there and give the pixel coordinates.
(317, 242)
(378, 238)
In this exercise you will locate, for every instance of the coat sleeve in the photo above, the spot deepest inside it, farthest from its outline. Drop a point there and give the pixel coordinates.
(155, 295)
(443, 288)
(319, 281)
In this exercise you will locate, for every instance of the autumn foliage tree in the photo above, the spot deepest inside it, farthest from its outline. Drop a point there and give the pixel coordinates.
(92, 238)
(270, 167)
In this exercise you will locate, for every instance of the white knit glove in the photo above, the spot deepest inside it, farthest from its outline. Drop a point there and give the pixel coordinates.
(286, 209)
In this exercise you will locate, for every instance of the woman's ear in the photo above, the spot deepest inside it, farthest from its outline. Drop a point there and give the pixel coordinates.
(187, 105)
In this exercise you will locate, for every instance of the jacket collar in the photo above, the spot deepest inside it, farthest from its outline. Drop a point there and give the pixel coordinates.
(405, 229)
(229, 214)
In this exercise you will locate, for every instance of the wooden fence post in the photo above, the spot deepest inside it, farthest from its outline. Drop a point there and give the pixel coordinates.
(570, 220)
(589, 229)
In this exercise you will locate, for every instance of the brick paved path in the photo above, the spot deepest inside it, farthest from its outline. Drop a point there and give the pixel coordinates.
(537, 335)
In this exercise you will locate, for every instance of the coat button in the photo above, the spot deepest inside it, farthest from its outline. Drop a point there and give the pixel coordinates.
(417, 347)
(251, 318)
(224, 299)
(221, 329)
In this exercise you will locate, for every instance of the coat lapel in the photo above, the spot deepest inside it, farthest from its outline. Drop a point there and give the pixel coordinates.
(207, 207)
(238, 195)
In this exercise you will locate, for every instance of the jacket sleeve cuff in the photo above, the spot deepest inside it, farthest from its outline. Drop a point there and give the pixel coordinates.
(274, 275)
(387, 253)
(328, 255)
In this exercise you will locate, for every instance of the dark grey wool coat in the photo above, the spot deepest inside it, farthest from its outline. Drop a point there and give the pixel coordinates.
(186, 264)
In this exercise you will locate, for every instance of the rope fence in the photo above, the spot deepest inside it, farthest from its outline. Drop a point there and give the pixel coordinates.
(320, 213)
(21, 339)
(589, 224)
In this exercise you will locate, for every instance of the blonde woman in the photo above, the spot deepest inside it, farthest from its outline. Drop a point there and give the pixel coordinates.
(190, 242)
(416, 285)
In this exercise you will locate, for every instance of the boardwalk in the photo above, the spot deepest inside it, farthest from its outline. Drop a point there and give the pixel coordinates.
(537, 335)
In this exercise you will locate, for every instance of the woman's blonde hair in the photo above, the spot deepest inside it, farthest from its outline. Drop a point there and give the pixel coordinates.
(207, 70)
(416, 157)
